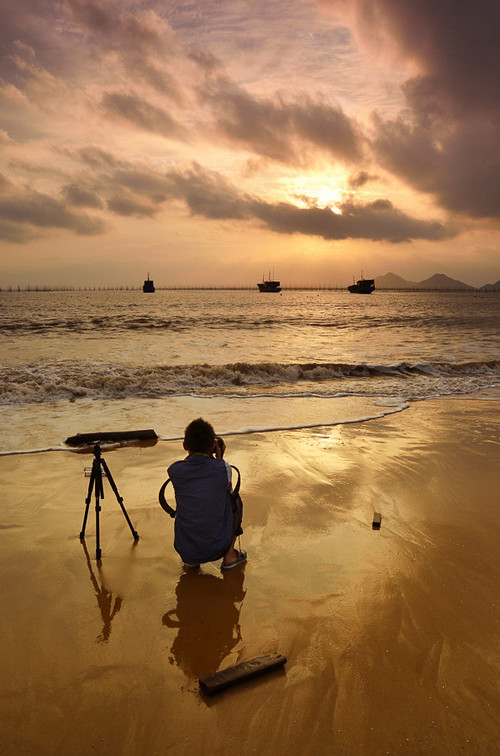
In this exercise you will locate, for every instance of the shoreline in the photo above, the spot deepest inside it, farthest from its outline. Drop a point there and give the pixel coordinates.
(390, 635)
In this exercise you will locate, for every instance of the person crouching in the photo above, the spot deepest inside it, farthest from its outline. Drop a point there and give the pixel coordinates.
(206, 524)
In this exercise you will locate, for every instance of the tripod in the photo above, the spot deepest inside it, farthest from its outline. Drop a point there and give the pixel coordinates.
(98, 466)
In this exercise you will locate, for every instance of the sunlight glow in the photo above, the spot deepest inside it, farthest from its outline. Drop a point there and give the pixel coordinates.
(316, 191)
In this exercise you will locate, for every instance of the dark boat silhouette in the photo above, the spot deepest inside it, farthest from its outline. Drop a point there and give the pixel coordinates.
(148, 285)
(269, 286)
(362, 286)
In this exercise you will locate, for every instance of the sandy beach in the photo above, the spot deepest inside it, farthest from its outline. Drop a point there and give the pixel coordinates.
(391, 635)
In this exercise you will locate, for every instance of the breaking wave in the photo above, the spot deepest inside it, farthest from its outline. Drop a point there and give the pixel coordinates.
(70, 380)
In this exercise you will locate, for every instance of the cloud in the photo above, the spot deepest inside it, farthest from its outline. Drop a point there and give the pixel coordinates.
(446, 143)
(360, 179)
(139, 112)
(80, 197)
(207, 193)
(23, 210)
(210, 195)
(118, 180)
(127, 207)
(280, 130)
(462, 169)
(143, 42)
(96, 157)
(378, 221)
(454, 43)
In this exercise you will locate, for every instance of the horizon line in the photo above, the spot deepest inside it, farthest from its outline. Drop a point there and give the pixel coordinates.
(29, 288)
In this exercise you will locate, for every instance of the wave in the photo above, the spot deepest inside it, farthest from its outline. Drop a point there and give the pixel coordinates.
(39, 323)
(119, 324)
(71, 380)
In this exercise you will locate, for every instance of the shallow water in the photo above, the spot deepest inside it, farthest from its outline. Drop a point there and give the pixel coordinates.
(251, 361)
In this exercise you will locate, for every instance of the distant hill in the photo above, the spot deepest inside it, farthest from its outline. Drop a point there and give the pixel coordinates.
(490, 287)
(392, 281)
(436, 282)
(440, 281)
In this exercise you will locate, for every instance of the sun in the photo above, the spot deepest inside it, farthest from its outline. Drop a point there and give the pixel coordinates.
(317, 191)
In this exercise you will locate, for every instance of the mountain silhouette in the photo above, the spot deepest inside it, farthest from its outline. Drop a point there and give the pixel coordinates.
(439, 281)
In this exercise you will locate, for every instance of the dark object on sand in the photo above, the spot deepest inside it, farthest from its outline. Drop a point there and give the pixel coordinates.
(245, 671)
(99, 467)
(84, 439)
(377, 520)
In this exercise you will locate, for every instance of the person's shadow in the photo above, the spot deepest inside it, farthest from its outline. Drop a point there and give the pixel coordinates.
(207, 616)
(107, 607)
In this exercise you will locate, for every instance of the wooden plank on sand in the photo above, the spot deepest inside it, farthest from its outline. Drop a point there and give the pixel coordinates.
(232, 675)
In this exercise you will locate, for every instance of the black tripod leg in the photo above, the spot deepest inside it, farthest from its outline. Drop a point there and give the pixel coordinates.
(87, 503)
(98, 493)
(119, 499)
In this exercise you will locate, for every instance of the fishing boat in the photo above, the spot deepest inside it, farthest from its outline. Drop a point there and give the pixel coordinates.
(362, 286)
(148, 285)
(269, 286)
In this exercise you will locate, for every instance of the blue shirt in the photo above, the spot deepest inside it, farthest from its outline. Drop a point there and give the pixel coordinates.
(204, 515)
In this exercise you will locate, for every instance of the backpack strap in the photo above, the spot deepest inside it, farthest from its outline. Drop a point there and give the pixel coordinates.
(236, 489)
(163, 502)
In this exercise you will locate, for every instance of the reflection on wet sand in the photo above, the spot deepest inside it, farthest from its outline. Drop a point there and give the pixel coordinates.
(104, 598)
(207, 617)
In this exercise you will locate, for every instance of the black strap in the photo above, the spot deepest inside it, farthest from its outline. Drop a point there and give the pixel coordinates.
(163, 502)
(237, 486)
(168, 509)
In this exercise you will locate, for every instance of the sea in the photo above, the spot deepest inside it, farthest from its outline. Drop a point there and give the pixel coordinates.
(91, 361)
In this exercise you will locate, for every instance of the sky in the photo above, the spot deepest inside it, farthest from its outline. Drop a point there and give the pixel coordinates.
(211, 142)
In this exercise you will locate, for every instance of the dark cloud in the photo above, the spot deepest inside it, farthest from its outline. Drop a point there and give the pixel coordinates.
(378, 221)
(81, 197)
(205, 60)
(69, 38)
(141, 181)
(461, 169)
(38, 25)
(360, 179)
(16, 233)
(211, 196)
(281, 130)
(139, 112)
(97, 158)
(22, 211)
(454, 42)
(127, 206)
(143, 42)
(207, 194)
(447, 142)
(125, 188)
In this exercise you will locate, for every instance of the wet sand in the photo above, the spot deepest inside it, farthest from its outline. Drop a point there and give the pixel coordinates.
(391, 636)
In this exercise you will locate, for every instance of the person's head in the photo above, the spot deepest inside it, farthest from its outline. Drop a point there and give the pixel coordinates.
(199, 437)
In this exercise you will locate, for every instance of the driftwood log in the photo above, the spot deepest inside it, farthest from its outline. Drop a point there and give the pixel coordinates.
(232, 675)
(84, 439)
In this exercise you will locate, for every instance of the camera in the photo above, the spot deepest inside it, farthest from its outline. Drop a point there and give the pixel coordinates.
(220, 446)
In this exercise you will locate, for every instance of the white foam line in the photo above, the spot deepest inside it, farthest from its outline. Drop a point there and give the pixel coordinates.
(34, 451)
(271, 429)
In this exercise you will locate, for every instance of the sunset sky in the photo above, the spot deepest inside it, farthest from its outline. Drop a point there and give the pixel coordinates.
(210, 141)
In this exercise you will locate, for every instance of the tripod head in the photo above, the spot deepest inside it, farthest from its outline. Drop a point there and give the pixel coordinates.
(98, 468)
